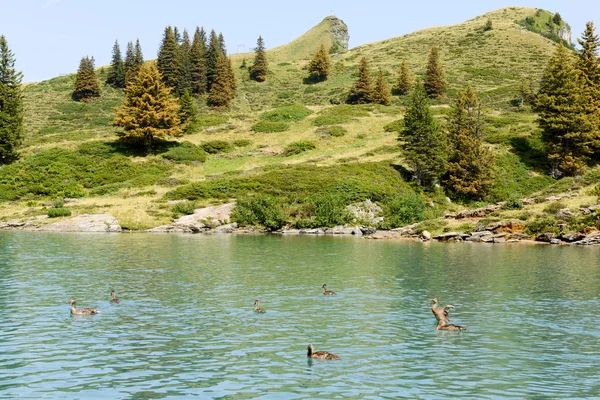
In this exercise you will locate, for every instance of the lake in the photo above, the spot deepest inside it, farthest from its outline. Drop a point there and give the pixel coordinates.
(185, 326)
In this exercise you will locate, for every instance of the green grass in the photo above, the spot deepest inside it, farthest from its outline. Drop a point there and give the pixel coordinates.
(270, 126)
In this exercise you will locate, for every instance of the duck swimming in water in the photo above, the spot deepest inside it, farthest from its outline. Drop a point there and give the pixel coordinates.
(113, 299)
(322, 355)
(257, 308)
(328, 292)
(441, 314)
(443, 326)
(81, 311)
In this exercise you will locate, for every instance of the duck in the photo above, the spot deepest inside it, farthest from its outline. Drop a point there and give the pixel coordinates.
(328, 292)
(322, 355)
(443, 326)
(81, 311)
(113, 299)
(257, 308)
(441, 314)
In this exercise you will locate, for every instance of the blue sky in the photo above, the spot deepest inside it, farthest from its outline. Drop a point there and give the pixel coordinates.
(49, 37)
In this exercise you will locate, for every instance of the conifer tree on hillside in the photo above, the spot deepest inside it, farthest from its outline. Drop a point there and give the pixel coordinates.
(204, 39)
(232, 80)
(188, 112)
(87, 86)
(213, 55)
(220, 93)
(526, 91)
(320, 65)
(435, 81)
(362, 91)
(177, 35)
(423, 142)
(116, 71)
(148, 111)
(588, 65)
(243, 65)
(198, 64)
(11, 105)
(469, 171)
(259, 69)
(169, 58)
(405, 80)
(382, 93)
(129, 62)
(222, 44)
(184, 84)
(136, 64)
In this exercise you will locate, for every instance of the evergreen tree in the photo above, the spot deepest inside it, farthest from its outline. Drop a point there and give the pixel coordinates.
(381, 93)
(220, 93)
(526, 91)
(188, 112)
(213, 55)
(198, 64)
(177, 35)
(204, 39)
(148, 111)
(169, 58)
(362, 91)
(222, 44)
(135, 64)
(568, 128)
(11, 105)
(243, 65)
(129, 63)
(469, 171)
(405, 79)
(232, 81)
(320, 65)
(435, 82)
(557, 19)
(260, 67)
(87, 86)
(116, 71)
(423, 143)
(184, 84)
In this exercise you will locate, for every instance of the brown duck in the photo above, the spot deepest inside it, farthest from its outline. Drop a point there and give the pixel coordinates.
(257, 308)
(322, 355)
(328, 292)
(443, 326)
(441, 314)
(81, 311)
(113, 299)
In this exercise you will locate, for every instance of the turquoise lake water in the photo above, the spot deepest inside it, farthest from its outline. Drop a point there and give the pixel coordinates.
(185, 326)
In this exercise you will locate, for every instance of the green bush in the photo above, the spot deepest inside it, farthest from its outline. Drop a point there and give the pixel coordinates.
(217, 146)
(394, 126)
(270, 127)
(58, 212)
(543, 225)
(403, 210)
(185, 207)
(555, 207)
(58, 203)
(260, 210)
(210, 120)
(324, 210)
(286, 114)
(242, 143)
(298, 147)
(334, 130)
(185, 153)
(513, 203)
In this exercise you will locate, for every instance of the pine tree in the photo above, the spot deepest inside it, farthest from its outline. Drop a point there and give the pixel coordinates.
(469, 173)
(129, 63)
(116, 71)
(87, 86)
(423, 143)
(435, 82)
(177, 35)
(567, 125)
(188, 112)
(232, 80)
(169, 58)
(260, 67)
(220, 93)
(184, 84)
(243, 65)
(382, 93)
(148, 111)
(213, 55)
(526, 91)
(320, 65)
(11, 105)
(405, 79)
(222, 44)
(198, 64)
(135, 63)
(362, 91)
(204, 39)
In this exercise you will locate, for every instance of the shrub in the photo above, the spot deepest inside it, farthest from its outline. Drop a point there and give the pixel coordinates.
(403, 210)
(285, 114)
(261, 210)
(58, 212)
(242, 143)
(553, 208)
(58, 203)
(185, 153)
(543, 225)
(394, 126)
(217, 146)
(324, 210)
(431, 226)
(513, 203)
(270, 127)
(298, 147)
(335, 131)
(185, 207)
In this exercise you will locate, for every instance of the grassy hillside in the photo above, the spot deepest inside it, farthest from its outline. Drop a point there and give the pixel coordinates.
(70, 148)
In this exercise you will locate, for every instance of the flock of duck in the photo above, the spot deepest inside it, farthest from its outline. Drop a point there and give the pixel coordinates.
(440, 313)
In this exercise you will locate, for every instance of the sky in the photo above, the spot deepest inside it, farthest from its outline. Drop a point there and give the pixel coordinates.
(49, 37)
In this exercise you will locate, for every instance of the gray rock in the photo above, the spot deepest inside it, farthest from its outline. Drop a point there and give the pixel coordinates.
(451, 236)
(208, 216)
(591, 239)
(572, 236)
(426, 236)
(499, 240)
(169, 229)
(85, 223)
(317, 231)
(545, 237)
(365, 212)
(518, 236)
(555, 241)
(229, 228)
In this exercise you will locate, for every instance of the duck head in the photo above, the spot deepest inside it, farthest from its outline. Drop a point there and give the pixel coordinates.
(434, 299)
(71, 301)
(310, 351)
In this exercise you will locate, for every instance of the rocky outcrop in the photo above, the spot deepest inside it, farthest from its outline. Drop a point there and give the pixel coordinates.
(476, 213)
(206, 218)
(564, 33)
(339, 31)
(591, 239)
(170, 229)
(85, 223)
(30, 224)
(546, 237)
(366, 212)
(571, 237)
